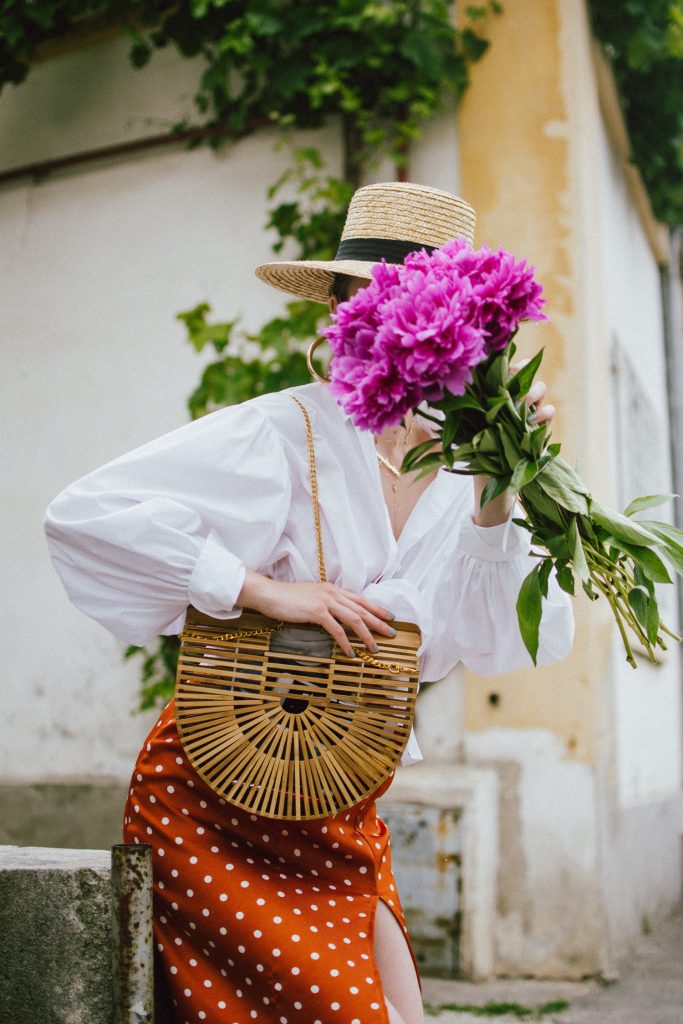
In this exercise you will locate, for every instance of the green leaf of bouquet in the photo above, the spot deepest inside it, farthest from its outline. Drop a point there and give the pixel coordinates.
(495, 487)
(648, 501)
(621, 527)
(579, 558)
(449, 430)
(529, 607)
(523, 473)
(484, 464)
(510, 445)
(565, 578)
(652, 620)
(544, 571)
(672, 536)
(559, 482)
(427, 464)
(537, 440)
(411, 457)
(673, 554)
(496, 374)
(651, 564)
(642, 580)
(639, 599)
(518, 385)
(453, 403)
(494, 407)
(537, 500)
(485, 441)
(464, 453)
(558, 546)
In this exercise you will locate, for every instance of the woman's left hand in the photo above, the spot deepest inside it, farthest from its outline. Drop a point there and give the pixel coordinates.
(498, 510)
(541, 412)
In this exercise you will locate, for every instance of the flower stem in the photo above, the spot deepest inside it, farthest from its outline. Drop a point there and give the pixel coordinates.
(669, 632)
(617, 616)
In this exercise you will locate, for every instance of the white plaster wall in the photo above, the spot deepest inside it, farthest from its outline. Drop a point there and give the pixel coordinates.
(647, 702)
(548, 855)
(94, 265)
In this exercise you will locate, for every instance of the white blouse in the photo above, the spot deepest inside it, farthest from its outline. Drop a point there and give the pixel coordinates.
(179, 520)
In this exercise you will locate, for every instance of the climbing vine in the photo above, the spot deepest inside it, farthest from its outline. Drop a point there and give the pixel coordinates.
(644, 41)
(382, 65)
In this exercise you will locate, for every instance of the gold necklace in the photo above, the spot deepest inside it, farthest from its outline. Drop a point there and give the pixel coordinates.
(389, 465)
(394, 470)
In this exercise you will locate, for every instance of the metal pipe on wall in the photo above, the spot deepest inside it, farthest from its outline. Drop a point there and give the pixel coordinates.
(133, 946)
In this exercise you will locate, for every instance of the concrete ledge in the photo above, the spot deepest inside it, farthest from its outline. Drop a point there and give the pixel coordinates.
(55, 936)
(473, 791)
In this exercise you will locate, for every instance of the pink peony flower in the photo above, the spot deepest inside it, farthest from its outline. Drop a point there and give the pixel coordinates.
(420, 328)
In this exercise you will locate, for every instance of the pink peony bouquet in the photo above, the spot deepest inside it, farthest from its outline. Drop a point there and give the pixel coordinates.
(437, 331)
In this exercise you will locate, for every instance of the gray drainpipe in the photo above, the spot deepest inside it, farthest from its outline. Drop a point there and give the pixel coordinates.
(672, 296)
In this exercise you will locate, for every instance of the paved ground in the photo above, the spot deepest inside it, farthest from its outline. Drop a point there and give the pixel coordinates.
(649, 991)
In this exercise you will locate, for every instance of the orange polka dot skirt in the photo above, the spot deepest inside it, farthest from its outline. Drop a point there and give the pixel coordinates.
(255, 919)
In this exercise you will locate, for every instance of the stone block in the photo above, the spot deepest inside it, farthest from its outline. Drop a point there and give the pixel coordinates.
(55, 936)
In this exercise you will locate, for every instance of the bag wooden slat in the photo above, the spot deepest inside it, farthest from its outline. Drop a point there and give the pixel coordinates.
(292, 735)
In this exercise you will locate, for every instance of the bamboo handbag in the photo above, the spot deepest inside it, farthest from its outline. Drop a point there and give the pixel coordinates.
(279, 721)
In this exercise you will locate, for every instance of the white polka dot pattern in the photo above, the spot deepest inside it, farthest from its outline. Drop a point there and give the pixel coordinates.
(255, 920)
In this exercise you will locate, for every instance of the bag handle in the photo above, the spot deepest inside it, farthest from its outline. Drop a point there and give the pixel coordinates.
(314, 489)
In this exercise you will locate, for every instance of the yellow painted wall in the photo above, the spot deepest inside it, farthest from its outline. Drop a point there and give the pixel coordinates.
(527, 166)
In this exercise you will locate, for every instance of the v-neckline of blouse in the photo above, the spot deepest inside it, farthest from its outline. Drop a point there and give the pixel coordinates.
(423, 500)
(427, 499)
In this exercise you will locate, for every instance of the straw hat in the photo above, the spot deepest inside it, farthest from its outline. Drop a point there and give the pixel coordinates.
(388, 221)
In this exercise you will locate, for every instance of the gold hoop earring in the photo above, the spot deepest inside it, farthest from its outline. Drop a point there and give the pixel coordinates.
(309, 360)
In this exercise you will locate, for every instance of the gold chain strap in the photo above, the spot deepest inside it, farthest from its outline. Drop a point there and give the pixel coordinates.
(392, 667)
(314, 490)
(188, 634)
(388, 666)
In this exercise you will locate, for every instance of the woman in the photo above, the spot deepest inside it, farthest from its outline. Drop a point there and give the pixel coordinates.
(280, 921)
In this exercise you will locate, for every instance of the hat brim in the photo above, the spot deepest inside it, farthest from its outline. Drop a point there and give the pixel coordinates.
(310, 279)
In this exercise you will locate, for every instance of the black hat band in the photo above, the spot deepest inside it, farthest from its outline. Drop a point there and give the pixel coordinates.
(372, 250)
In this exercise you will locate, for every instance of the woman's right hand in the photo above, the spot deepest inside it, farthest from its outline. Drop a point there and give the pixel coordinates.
(323, 603)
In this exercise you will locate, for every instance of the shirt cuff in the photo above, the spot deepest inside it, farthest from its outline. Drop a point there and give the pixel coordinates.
(499, 543)
(216, 580)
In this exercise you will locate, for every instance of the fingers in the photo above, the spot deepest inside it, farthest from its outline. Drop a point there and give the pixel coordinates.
(371, 620)
(353, 612)
(336, 631)
(354, 622)
(544, 414)
(326, 604)
(376, 609)
(536, 393)
(540, 411)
